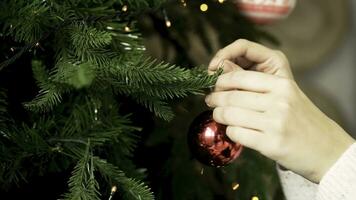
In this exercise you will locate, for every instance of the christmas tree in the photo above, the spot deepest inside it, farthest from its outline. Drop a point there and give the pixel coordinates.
(87, 59)
(77, 89)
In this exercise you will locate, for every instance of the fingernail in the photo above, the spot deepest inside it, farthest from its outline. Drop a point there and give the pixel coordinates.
(214, 62)
(207, 100)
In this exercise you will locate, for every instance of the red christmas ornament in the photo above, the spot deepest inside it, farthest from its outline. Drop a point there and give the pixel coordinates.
(265, 11)
(208, 142)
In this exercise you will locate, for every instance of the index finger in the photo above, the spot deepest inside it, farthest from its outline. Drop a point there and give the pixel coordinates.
(242, 48)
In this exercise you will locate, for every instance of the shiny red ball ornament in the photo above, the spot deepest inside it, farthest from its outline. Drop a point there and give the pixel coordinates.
(209, 143)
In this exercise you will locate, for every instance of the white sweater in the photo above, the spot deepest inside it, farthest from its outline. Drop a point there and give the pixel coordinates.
(339, 183)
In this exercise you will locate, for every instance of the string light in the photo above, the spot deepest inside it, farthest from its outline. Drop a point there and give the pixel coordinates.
(127, 29)
(184, 3)
(202, 171)
(124, 8)
(110, 28)
(96, 114)
(113, 190)
(12, 49)
(168, 22)
(221, 1)
(235, 186)
(204, 7)
(255, 198)
(37, 44)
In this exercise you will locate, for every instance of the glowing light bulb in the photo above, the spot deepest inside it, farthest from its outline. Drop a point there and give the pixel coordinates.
(114, 188)
(221, 1)
(254, 198)
(168, 23)
(204, 7)
(235, 186)
(127, 29)
(124, 8)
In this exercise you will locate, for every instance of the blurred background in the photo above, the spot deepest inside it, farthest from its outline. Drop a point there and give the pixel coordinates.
(316, 35)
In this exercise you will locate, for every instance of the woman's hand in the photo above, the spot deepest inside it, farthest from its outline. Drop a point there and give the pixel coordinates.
(265, 110)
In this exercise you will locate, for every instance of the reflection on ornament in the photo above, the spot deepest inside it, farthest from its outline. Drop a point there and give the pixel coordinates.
(208, 142)
(265, 11)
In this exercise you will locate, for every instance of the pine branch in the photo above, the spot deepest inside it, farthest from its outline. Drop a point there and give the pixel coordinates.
(150, 83)
(21, 143)
(142, 4)
(77, 75)
(161, 79)
(88, 120)
(85, 37)
(60, 80)
(159, 107)
(31, 29)
(131, 189)
(45, 101)
(3, 110)
(82, 184)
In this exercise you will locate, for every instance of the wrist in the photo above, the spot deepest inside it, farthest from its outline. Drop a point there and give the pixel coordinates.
(336, 150)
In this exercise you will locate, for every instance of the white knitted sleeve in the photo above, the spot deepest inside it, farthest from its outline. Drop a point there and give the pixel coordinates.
(339, 183)
(295, 187)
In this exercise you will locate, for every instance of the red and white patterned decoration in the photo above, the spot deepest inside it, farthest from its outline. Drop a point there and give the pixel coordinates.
(265, 11)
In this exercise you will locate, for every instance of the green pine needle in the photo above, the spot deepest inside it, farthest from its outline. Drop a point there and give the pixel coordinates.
(131, 188)
(82, 184)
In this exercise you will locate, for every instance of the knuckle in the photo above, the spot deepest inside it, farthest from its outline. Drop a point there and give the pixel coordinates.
(217, 99)
(277, 146)
(287, 86)
(229, 131)
(236, 75)
(230, 98)
(281, 58)
(241, 41)
(219, 53)
(225, 115)
(220, 114)
(216, 114)
(285, 107)
(279, 125)
(219, 80)
(280, 54)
